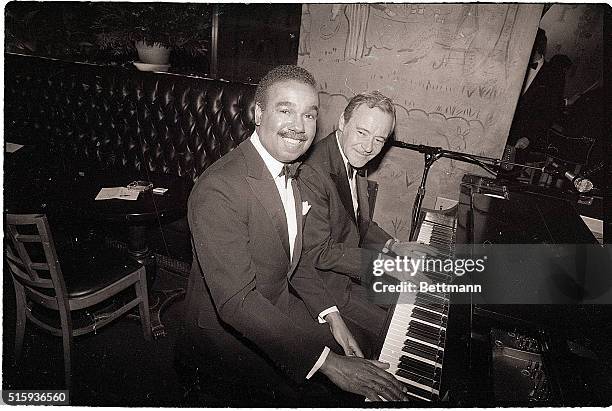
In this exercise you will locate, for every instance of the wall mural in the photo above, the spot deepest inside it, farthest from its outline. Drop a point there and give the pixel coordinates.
(454, 72)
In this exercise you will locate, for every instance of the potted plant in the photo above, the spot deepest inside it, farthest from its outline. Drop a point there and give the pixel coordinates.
(153, 29)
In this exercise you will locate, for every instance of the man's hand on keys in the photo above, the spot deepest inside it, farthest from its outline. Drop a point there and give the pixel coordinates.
(363, 377)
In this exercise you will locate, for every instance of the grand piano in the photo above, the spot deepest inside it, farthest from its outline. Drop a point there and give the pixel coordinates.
(518, 343)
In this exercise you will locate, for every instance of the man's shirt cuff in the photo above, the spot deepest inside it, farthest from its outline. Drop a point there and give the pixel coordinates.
(387, 247)
(319, 362)
(323, 313)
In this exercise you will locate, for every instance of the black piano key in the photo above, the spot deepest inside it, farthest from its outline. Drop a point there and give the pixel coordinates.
(437, 316)
(439, 237)
(435, 219)
(439, 308)
(418, 391)
(424, 347)
(440, 295)
(444, 235)
(415, 351)
(421, 347)
(409, 363)
(426, 328)
(437, 297)
(429, 371)
(433, 307)
(423, 332)
(426, 338)
(430, 298)
(421, 335)
(416, 377)
(426, 315)
(415, 368)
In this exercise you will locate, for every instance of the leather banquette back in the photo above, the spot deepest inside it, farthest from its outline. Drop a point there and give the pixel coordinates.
(112, 118)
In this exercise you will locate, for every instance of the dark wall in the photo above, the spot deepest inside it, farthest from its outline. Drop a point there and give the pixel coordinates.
(253, 38)
(105, 118)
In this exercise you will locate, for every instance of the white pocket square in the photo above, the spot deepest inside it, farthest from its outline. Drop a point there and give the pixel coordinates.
(305, 207)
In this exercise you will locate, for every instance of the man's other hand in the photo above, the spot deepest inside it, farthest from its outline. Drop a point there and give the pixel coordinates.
(363, 377)
(405, 272)
(522, 143)
(343, 335)
(413, 249)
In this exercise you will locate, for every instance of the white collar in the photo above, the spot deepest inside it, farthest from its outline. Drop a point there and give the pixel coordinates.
(274, 166)
(539, 62)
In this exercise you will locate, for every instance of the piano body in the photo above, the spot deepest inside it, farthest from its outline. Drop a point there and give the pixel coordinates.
(453, 350)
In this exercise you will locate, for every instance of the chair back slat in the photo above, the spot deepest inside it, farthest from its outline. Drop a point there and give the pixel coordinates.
(15, 265)
(22, 266)
(25, 238)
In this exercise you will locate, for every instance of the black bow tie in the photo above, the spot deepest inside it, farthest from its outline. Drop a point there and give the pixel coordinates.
(289, 171)
(352, 170)
(533, 66)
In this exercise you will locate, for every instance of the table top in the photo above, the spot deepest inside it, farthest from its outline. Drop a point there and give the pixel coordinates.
(58, 193)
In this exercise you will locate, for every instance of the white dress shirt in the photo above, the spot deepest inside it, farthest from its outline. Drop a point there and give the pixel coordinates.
(285, 190)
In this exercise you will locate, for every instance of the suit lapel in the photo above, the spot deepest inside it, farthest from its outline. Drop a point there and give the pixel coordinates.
(344, 191)
(364, 204)
(362, 197)
(264, 189)
(297, 247)
(538, 81)
(339, 176)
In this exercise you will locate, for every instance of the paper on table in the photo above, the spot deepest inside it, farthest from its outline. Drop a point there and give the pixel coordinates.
(120, 193)
(12, 147)
(596, 227)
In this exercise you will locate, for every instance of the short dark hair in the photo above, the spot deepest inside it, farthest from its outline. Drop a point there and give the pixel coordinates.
(372, 99)
(279, 74)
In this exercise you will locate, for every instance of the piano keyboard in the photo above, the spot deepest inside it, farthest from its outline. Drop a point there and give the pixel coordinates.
(415, 340)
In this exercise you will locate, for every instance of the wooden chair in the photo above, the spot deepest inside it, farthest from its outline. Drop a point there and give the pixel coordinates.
(82, 282)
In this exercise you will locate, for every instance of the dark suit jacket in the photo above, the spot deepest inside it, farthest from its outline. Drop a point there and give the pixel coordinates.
(326, 156)
(241, 255)
(538, 107)
(332, 241)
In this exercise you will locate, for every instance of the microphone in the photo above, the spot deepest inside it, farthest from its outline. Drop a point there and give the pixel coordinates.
(508, 157)
(582, 185)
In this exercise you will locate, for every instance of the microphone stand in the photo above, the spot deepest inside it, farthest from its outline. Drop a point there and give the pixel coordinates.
(432, 154)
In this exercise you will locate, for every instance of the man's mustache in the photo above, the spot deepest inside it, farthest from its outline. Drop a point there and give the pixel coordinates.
(301, 135)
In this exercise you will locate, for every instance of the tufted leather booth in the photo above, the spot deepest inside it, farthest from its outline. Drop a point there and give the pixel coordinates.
(111, 118)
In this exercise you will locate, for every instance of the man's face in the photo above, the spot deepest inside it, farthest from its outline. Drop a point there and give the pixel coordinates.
(288, 124)
(365, 134)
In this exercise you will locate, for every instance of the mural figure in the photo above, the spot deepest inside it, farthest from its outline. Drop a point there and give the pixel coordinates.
(305, 28)
(458, 43)
(357, 16)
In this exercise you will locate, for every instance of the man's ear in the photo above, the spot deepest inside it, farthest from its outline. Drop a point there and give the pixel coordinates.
(341, 122)
(258, 114)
